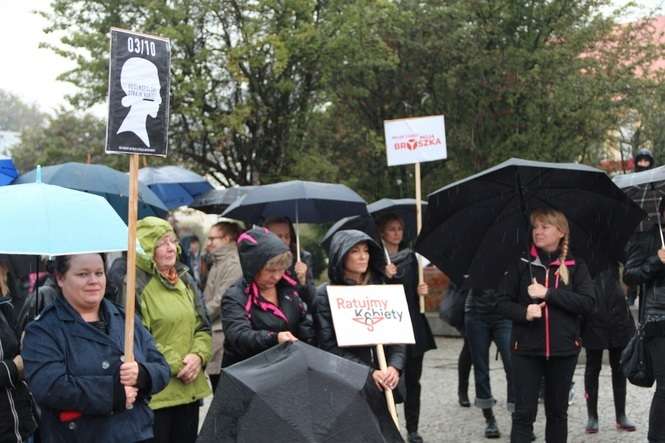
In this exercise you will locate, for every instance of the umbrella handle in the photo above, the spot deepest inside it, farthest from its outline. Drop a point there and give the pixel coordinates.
(660, 225)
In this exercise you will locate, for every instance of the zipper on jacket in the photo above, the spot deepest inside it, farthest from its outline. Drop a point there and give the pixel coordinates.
(547, 318)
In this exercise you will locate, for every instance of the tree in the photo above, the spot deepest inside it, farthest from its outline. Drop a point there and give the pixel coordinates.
(67, 137)
(16, 115)
(243, 74)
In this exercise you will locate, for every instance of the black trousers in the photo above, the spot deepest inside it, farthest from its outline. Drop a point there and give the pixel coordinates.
(177, 424)
(214, 379)
(594, 363)
(463, 367)
(558, 375)
(412, 373)
(655, 346)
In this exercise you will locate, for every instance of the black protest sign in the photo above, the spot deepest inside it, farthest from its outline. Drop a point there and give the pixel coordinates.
(138, 100)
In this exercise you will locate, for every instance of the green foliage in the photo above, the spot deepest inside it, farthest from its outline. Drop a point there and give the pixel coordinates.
(265, 90)
(66, 137)
(16, 115)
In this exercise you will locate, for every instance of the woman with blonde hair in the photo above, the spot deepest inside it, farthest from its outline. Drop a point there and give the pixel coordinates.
(545, 295)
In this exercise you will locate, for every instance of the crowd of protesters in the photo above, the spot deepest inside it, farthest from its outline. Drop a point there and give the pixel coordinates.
(246, 291)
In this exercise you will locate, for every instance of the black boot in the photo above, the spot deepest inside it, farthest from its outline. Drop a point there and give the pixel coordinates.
(591, 408)
(491, 429)
(463, 398)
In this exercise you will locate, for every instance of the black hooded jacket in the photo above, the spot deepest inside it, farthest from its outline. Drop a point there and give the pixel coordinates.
(342, 242)
(251, 323)
(557, 332)
(610, 325)
(407, 274)
(17, 421)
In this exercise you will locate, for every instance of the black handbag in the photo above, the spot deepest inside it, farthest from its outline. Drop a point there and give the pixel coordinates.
(635, 361)
(451, 309)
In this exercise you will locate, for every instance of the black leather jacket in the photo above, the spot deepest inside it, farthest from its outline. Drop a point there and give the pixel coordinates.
(643, 267)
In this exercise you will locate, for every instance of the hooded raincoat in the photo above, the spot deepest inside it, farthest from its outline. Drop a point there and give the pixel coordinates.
(251, 323)
(174, 314)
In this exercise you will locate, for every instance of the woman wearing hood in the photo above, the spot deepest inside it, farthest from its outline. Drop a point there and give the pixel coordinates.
(301, 271)
(356, 259)
(263, 308)
(172, 309)
(405, 263)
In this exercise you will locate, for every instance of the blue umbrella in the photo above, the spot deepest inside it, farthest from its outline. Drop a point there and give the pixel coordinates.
(216, 201)
(101, 180)
(174, 185)
(42, 219)
(8, 172)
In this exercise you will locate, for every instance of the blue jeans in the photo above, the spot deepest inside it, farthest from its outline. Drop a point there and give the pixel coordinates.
(480, 331)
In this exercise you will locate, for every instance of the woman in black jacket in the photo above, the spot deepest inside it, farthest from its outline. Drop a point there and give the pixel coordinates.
(391, 229)
(645, 266)
(17, 421)
(545, 295)
(355, 259)
(610, 326)
(263, 308)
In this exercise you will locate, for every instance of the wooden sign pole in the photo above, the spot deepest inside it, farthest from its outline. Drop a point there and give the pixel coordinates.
(390, 400)
(419, 224)
(131, 256)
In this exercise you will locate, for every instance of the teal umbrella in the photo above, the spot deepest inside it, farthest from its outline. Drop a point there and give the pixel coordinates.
(42, 219)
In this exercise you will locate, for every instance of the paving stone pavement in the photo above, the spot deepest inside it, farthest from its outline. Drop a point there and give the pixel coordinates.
(442, 420)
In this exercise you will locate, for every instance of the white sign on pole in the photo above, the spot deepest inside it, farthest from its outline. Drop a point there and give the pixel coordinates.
(370, 315)
(414, 140)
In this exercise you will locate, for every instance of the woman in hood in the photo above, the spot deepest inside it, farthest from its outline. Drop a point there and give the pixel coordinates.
(172, 309)
(391, 229)
(356, 259)
(263, 308)
(545, 295)
(301, 271)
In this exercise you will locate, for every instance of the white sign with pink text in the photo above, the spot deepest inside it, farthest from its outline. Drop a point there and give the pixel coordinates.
(414, 140)
(370, 315)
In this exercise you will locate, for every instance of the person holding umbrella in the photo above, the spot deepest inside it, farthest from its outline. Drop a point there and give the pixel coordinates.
(73, 356)
(301, 270)
(405, 266)
(645, 266)
(356, 259)
(263, 308)
(544, 295)
(172, 309)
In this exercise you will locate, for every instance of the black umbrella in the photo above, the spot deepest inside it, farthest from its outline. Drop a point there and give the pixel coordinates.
(479, 226)
(646, 188)
(216, 201)
(301, 201)
(297, 393)
(405, 208)
(361, 223)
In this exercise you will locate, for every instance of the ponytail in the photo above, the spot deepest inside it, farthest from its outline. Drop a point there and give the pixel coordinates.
(563, 269)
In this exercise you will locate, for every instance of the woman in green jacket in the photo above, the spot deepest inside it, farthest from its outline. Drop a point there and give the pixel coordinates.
(172, 310)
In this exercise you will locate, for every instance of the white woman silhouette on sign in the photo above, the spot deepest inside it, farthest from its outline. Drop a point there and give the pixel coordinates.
(140, 83)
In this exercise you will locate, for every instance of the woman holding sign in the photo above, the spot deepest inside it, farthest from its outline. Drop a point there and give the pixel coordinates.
(391, 229)
(356, 259)
(263, 308)
(73, 354)
(545, 295)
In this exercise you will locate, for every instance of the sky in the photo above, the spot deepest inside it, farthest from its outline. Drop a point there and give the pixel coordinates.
(30, 72)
